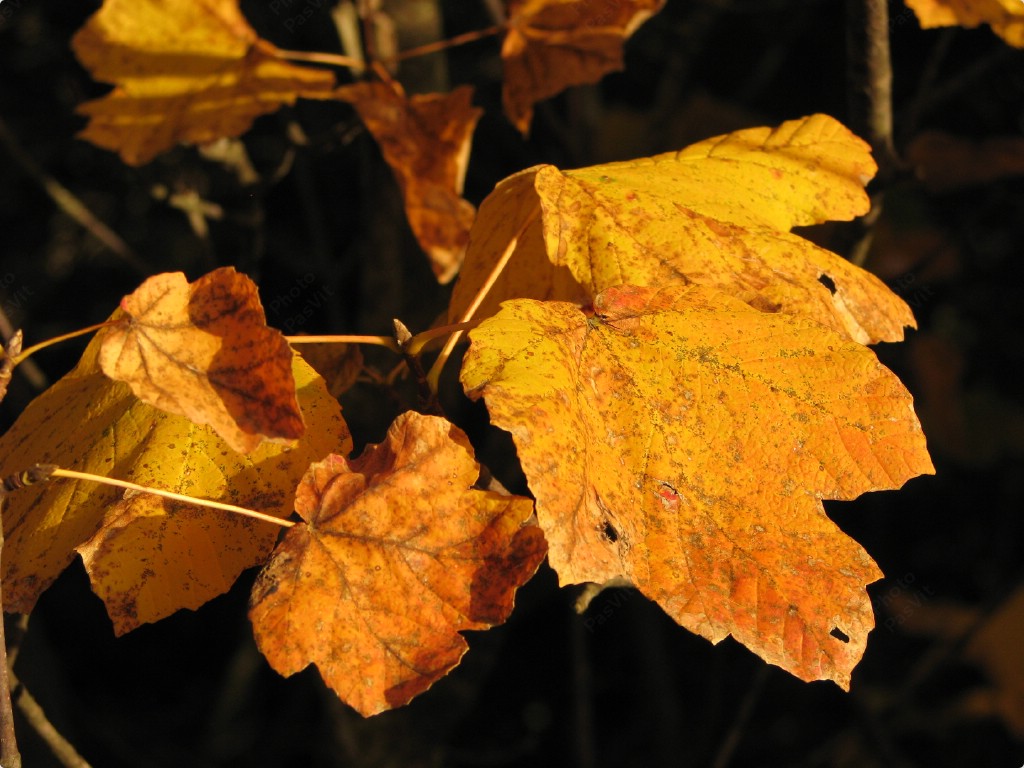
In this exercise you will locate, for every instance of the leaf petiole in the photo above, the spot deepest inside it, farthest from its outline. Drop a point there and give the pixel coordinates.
(443, 45)
(434, 374)
(316, 57)
(381, 341)
(56, 339)
(416, 344)
(72, 474)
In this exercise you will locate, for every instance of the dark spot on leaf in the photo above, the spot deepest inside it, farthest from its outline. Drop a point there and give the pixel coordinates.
(839, 635)
(828, 282)
(609, 532)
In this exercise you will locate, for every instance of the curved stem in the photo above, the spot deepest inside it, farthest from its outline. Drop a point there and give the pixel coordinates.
(416, 344)
(434, 374)
(381, 341)
(44, 344)
(316, 57)
(69, 473)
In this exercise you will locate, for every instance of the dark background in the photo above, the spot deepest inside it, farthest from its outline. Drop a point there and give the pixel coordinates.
(621, 685)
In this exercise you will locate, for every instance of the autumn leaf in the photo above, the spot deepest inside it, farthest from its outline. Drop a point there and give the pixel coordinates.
(204, 351)
(1006, 17)
(684, 441)
(185, 71)
(425, 139)
(89, 423)
(553, 44)
(717, 213)
(399, 555)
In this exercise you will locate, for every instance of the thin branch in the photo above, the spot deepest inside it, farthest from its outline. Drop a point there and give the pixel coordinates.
(62, 749)
(869, 71)
(71, 205)
(71, 474)
(10, 757)
(428, 397)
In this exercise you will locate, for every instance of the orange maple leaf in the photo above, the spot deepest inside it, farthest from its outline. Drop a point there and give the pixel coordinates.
(204, 350)
(553, 44)
(89, 423)
(715, 213)
(684, 441)
(1006, 17)
(398, 556)
(189, 71)
(425, 139)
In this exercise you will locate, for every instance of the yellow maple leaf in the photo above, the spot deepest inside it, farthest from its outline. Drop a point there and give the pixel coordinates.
(1006, 17)
(189, 71)
(89, 423)
(716, 213)
(684, 441)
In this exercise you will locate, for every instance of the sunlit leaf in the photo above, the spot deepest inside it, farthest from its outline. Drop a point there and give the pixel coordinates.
(717, 213)
(398, 556)
(684, 441)
(203, 350)
(189, 71)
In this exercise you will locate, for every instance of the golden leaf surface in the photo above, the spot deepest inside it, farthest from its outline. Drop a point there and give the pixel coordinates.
(553, 44)
(185, 71)
(684, 441)
(91, 424)
(425, 140)
(717, 213)
(1006, 17)
(399, 555)
(204, 351)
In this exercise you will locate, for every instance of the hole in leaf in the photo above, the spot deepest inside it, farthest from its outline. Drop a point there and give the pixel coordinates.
(828, 282)
(839, 635)
(609, 532)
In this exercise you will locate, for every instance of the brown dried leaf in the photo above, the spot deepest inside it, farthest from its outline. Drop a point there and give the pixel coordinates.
(425, 139)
